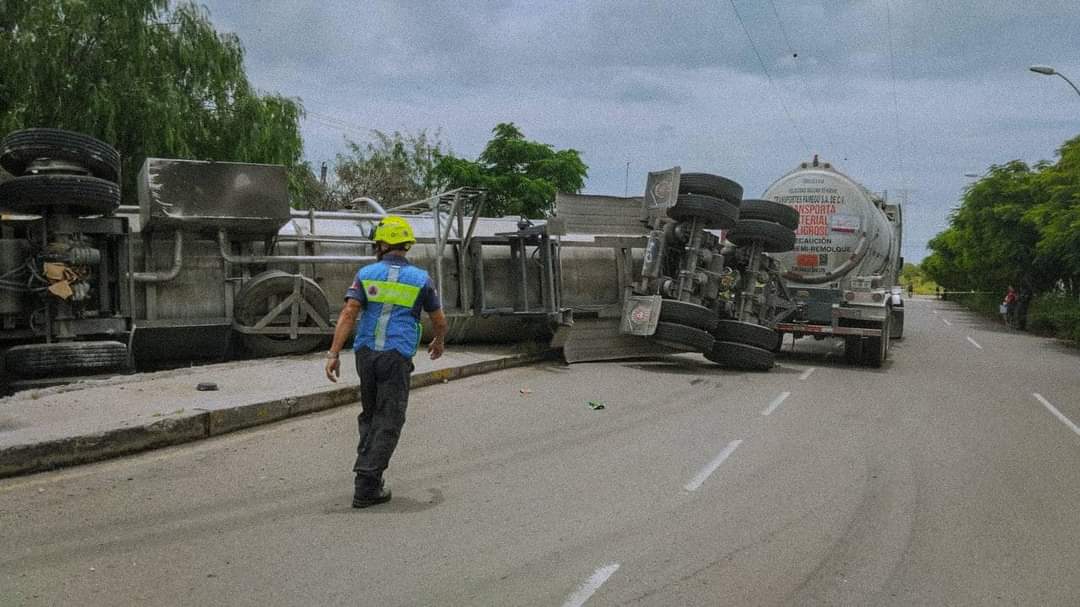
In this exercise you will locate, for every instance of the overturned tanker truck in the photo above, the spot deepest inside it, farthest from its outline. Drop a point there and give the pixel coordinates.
(212, 262)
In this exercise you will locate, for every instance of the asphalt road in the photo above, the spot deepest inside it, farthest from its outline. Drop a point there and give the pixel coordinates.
(948, 477)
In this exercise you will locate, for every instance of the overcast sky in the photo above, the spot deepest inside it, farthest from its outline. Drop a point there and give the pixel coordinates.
(900, 95)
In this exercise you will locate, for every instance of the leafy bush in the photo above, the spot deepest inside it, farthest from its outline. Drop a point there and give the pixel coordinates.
(984, 303)
(1057, 315)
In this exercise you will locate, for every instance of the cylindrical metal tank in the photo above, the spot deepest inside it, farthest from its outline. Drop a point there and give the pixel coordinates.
(843, 230)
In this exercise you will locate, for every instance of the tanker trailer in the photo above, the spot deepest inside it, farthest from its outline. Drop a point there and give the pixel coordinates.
(845, 262)
(247, 268)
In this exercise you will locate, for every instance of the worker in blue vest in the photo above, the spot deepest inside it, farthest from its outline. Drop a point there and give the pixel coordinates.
(388, 297)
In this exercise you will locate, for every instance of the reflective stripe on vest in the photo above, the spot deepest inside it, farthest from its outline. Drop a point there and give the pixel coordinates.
(389, 293)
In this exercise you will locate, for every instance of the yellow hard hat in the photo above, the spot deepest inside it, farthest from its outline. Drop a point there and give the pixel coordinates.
(393, 230)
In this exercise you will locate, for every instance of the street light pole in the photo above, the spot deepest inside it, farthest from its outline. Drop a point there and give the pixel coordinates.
(1046, 70)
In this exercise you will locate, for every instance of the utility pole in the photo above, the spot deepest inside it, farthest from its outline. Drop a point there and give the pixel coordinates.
(626, 181)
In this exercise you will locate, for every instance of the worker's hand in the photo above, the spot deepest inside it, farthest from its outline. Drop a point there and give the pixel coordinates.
(333, 368)
(435, 348)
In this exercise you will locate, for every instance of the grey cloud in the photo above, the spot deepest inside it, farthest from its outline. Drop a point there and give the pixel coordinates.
(658, 84)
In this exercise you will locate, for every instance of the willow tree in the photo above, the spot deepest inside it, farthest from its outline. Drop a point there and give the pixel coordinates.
(147, 77)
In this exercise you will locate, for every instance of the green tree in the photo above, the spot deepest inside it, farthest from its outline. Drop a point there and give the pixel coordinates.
(1058, 214)
(521, 176)
(991, 241)
(394, 169)
(151, 79)
(914, 275)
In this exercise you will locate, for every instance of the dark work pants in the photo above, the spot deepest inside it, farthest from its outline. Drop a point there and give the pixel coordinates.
(384, 395)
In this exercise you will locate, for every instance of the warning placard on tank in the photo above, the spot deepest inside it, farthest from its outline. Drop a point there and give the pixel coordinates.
(820, 214)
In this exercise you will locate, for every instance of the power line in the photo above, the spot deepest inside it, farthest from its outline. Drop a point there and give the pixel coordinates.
(772, 84)
(802, 77)
(337, 123)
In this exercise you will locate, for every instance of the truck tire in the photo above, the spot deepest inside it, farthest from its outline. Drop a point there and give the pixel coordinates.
(767, 210)
(714, 186)
(66, 358)
(746, 333)
(774, 237)
(741, 356)
(685, 313)
(77, 194)
(254, 301)
(682, 337)
(21, 148)
(716, 213)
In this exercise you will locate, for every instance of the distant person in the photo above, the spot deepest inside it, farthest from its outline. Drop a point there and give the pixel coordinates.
(388, 296)
(1010, 303)
(910, 289)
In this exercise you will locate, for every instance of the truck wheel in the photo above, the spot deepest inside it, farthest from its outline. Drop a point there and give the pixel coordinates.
(685, 313)
(767, 210)
(21, 148)
(77, 194)
(746, 333)
(66, 358)
(774, 237)
(260, 295)
(716, 213)
(682, 337)
(741, 356)
(711, 185)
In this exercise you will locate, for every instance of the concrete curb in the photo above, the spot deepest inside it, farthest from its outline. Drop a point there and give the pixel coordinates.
(69, 451)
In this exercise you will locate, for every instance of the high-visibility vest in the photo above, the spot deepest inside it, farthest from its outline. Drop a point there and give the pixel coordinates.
(391, 317)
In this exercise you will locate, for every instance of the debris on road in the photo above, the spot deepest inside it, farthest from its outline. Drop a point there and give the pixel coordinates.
(597, 405)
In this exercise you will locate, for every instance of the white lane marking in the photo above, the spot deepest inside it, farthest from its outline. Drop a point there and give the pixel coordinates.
(591, 585)
(1068, 422)
(935, 311)
(776, 403)
(946, 321)
(807, 372)
(974, 343)
(713, 465)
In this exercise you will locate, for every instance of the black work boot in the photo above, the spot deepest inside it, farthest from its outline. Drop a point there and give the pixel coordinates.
(370, 492)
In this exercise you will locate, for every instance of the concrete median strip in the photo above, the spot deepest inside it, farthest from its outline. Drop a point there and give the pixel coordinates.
(192, 424)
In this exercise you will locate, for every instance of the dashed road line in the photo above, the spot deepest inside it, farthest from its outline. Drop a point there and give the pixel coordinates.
(1058, 414)
(807, 373)
(591, 585)
(707, 471)
(946, 321)
(974, 343)
(776, 403)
